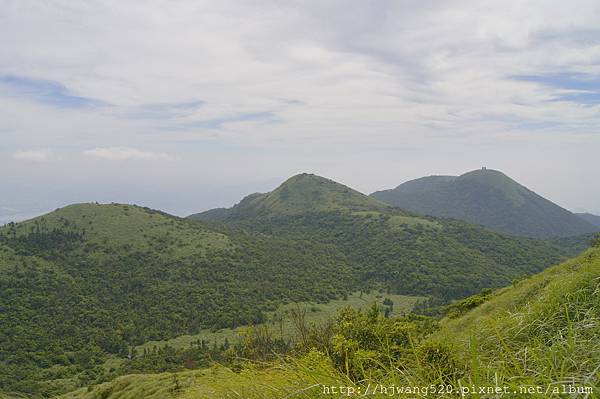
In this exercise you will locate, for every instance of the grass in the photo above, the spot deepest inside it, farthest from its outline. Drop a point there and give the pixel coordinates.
(139, 386)
(301, 378)
(315, 313)
(545, 329)
(398, 222)
(103, 225)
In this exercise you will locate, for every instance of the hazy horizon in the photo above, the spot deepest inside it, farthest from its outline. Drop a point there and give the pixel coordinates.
(192, 105)
(228, 196)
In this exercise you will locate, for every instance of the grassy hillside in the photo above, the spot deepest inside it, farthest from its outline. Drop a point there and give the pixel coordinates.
(90, 280)
(409, 254)
(537, 338)
(489, 198)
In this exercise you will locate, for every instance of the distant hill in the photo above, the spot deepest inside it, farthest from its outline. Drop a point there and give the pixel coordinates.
(303, 193)
(409, 254)
(488, 198)
(91, 280)
(590, 218)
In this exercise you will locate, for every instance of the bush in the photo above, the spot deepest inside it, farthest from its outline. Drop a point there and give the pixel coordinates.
(438, 362)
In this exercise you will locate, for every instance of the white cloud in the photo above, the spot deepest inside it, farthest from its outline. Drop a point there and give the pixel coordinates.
(32, 155)
(369, 92)
(125, 153)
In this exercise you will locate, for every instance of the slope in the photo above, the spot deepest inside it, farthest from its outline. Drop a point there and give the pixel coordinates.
(489, 198)
(406, 253)
(590, 218)
(542, 331)
(90, 280)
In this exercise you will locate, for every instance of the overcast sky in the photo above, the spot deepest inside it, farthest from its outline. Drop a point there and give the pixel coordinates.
(189, 105)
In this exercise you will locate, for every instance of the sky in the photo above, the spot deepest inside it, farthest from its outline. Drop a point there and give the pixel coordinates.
(188, 105)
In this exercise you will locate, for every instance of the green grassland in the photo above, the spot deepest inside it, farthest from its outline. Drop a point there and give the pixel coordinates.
(542, 331)
(164, 385)
(129, 228)
(281, 323)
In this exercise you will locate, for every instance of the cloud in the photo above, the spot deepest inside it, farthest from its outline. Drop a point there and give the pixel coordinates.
(32, 155)
(265, 117)
(577, 87)
(44, 91)
(125, 153)
(372, 93)
(165, 110)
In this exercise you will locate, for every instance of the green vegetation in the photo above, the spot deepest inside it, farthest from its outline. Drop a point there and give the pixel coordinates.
(489, 198)
(303, 193)
(408, 254)
(281, 320)
(537, 338)
(91, 280)
(90, 293)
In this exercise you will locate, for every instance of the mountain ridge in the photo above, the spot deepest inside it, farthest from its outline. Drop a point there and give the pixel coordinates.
(402, 250)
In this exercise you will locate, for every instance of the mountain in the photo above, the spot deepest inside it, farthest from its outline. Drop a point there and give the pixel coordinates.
(590, 218)
(303, 193)
(83, 286)
(488, 198)
(408, 254)
(90, 281)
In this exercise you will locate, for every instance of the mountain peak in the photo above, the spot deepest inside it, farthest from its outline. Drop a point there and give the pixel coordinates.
(305, 178)
(307, 192)
(302, 193)
(487, 197)
(483, 172)
(487, 175)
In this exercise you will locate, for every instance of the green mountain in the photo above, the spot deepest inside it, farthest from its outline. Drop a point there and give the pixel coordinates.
(300, 194)
(88, 281)
(488, 198)
(590, 218)
(82, 286)
(406, 253)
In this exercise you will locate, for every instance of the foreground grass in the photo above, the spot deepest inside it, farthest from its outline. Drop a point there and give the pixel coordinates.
(148, 386)
(302, 378)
